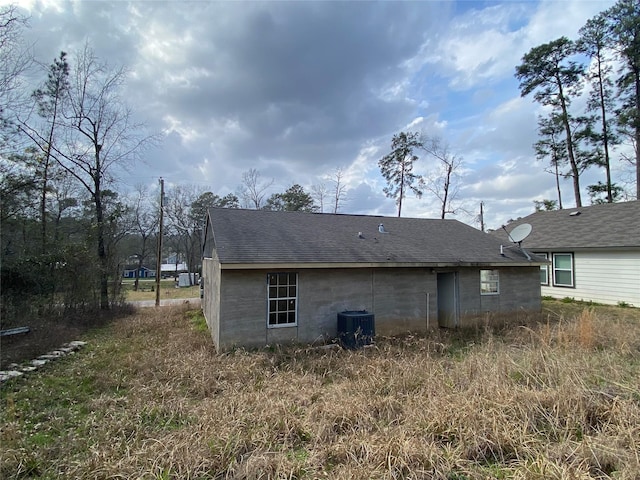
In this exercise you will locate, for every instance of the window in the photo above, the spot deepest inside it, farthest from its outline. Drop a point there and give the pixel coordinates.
(544, 270)
(563, 269)
(489, 282)
(282, 299)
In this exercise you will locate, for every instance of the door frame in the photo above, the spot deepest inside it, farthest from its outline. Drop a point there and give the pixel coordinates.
(448, 300)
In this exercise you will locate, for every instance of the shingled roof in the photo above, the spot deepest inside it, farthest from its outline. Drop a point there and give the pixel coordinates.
(249, 237)
(609, 225)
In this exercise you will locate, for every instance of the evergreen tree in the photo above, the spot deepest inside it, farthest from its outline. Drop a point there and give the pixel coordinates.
(548, 72)
(624, 28)
(397, 167)
(594, 40)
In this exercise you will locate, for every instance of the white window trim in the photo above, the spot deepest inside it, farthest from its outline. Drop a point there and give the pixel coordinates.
(282, 325)
(496, 281)
(573, 280)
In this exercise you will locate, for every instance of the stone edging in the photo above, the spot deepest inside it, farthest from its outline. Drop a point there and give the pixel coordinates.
(16, 370)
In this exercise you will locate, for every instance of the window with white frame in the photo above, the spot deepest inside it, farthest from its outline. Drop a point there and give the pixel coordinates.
(563, 269)
(282, 300)
(544, 270)
(489, 282)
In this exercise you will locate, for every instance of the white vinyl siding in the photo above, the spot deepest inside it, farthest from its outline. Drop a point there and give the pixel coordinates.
(607, 277)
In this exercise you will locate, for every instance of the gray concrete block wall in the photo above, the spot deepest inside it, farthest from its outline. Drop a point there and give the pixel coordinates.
(325, 293)
(211, 298)
(519, 291)
(400, 299)
(396, 296)
(322, 294)
(243, 309)
(521, 287)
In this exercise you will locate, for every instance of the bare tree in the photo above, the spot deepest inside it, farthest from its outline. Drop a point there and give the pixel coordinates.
(333, 195)
(444, 181)
(319, 192)
(15, 60)
(182, 223)
(98, 134)
(63, 205)
(253, 190)
(339, 191)
(145, 220)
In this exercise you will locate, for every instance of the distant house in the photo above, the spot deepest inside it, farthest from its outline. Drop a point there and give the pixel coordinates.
(274, 277)
(594, 252)
(172, 269)
(143, 272)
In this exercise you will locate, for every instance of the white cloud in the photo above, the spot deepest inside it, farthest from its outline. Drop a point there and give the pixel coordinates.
(484, 45)
(296, 89)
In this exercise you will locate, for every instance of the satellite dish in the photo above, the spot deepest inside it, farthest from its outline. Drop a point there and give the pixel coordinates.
(519, 233)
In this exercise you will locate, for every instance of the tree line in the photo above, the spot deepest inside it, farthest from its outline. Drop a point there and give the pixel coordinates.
(67, 234)
(603, 64)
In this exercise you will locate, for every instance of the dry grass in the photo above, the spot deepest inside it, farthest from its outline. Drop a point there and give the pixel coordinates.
(150, 399)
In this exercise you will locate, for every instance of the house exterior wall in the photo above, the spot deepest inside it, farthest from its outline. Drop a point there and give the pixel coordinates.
(211, 297)
(325, 293)
(398, 297)
(519, 290)
(601, 276)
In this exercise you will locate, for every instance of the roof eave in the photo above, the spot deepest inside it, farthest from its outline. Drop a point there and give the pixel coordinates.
(582, 248)
(318, 265)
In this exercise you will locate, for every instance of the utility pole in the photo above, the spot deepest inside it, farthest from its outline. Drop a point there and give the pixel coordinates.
(159, 258)
(482, 216)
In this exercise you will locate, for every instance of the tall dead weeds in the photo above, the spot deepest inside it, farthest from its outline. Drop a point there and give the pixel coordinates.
(555, 400)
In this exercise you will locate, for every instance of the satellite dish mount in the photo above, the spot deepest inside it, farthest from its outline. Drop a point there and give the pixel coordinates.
(517, 235)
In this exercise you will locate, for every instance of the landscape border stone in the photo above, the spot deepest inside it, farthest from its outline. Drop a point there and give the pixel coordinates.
(18, 370)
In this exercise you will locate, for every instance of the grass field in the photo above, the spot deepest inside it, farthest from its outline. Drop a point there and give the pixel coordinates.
(149, 398)
(146, 290)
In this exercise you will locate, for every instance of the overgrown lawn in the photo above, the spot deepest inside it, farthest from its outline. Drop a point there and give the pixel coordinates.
(149, 398)
(147, 290)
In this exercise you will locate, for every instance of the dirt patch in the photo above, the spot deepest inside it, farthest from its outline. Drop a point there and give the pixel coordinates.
(48, 334)
(43, 337)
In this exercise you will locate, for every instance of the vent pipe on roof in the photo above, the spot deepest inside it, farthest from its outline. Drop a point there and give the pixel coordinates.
(381, 229)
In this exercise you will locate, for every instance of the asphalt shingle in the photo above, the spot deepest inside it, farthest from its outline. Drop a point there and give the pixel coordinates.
(609, 225)
(259, 236)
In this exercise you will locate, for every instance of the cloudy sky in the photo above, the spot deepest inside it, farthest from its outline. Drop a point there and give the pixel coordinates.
(298, 89)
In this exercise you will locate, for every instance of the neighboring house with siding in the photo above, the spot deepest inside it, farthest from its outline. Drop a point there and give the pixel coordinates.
(594, 252)
(275, 277)
(143, 272)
